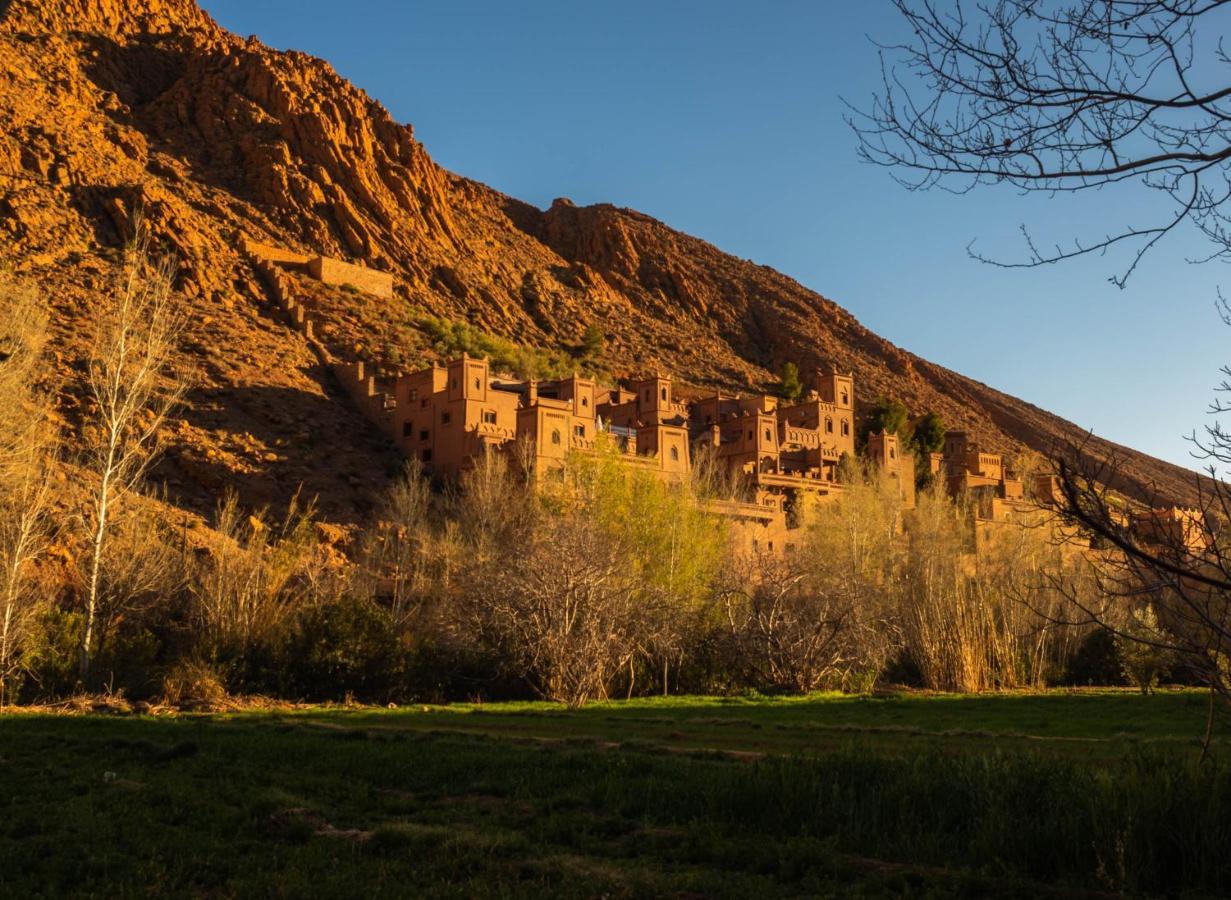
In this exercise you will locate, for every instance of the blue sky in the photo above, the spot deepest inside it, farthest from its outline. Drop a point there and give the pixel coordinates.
(724, 120)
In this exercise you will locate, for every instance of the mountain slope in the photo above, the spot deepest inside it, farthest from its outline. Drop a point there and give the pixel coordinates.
(110, 109)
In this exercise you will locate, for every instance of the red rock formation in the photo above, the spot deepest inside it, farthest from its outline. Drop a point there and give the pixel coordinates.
(109, 108)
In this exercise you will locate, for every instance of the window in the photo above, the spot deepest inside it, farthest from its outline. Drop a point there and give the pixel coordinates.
(579, 430)
(709, 420)
(846, 428)
(555, 436)
(426, 455)
(453, 383)
(408, 428)
(647, 396)
(892, 453)
(829, 426)
(489, 417)
(675, 454)
(664, 395)
(585, 401)
(424, 434)
(846, 398)
(749, 435)
(445, 418)
(769, 436)
(423, 403)
(414, 395)
(478, 384)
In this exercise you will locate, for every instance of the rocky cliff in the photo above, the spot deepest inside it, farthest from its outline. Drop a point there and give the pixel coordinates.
(114, 108)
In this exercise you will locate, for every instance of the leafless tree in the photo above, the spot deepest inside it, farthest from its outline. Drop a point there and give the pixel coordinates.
(1174, 563)
(1063, 96)
(26, 445)
(790, 631)
(565, 609)
(133, 385)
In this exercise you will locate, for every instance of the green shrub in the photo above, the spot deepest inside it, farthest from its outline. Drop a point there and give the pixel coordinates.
(1095, 662)
(344, 648)
(452, 338)
(53, 662)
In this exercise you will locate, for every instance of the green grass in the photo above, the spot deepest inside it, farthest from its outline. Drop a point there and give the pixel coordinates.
(1087, 722)
(1016, 795)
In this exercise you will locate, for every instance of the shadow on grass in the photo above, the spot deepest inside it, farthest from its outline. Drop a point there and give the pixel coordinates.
(331, 802)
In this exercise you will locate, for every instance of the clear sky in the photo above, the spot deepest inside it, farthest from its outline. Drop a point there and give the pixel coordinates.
(723, 118)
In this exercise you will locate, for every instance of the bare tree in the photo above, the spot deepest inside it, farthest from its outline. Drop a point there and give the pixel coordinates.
(565, 609)
(825, 614)
(26, 445)
(133, 386)
(1174, 563)
(790, 633)
(1063, 96)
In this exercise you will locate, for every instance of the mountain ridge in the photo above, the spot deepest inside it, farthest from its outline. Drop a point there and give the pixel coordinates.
(111, 109)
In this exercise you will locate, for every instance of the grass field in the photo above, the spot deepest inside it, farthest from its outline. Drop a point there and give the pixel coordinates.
(1020, 795)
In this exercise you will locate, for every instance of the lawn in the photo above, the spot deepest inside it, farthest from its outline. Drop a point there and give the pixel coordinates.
(1022, 795)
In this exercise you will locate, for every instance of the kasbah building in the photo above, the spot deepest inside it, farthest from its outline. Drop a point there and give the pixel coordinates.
(447, 416)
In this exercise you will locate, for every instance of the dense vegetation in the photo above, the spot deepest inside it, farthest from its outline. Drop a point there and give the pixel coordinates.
(607, 582)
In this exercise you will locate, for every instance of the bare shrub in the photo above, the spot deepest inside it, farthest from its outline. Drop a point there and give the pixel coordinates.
(402, 566)
(493, 506)
(981, 600)
(191, 684)
(943, 621)
(246, 588)
(139, 574)
(824, 615)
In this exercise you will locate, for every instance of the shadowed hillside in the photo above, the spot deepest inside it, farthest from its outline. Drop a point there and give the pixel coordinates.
(111, 108)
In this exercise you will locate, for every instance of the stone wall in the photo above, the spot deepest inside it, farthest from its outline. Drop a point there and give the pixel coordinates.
(324, 269)
(333, 271)
(277, 255)
(280, 290)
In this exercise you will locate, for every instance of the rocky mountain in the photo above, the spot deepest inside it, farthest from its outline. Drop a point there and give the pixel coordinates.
(110, 109)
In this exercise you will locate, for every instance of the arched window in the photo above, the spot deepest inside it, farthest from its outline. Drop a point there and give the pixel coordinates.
(846, 398)
(892, 453)
(829, 426)
(675, 454)
(585, 401)
(846, 428)
(477, 384)
(555, 436)
(664, 395)
(769, 436)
